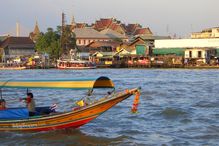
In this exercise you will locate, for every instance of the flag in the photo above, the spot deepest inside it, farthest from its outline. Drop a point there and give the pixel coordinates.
(53, 107)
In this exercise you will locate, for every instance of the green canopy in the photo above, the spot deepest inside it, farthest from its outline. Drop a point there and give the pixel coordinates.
(217, 52)
(168, 51)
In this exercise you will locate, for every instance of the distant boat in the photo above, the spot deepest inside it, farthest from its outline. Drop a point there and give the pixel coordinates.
(75, 64)
(12, 68)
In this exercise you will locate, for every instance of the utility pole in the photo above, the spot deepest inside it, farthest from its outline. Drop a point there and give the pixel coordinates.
(62, 34)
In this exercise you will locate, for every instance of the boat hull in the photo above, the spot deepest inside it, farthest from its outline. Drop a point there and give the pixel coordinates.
(72, 119)
(13, 68)
(77, 68)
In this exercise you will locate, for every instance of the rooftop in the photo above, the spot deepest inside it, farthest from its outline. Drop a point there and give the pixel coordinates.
(100, 44)
(143, 31)
(113, 34)
(17, 41)
(88, 32)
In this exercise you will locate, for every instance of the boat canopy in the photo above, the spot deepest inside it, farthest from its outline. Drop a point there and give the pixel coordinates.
(101, 82)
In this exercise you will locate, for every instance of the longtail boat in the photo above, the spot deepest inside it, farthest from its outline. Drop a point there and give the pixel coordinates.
(19, 119)
(12, 68)
(75, 64)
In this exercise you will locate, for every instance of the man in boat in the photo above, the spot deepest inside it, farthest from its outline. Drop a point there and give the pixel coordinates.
(2, 104)
(30, 104)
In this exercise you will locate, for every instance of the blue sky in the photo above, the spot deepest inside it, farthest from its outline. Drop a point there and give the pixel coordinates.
(162, 16)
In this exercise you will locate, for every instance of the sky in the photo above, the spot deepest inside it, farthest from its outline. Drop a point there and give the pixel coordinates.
(163, 17)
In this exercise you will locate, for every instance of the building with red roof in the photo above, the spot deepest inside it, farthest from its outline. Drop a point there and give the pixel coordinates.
(142, 32)
(111, 23)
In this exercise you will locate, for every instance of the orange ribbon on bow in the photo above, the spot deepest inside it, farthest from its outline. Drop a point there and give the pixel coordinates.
(136, 102)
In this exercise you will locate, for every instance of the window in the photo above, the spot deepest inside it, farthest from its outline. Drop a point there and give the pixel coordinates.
(84, 42)
(190, 54)
(199, 54)
(79, 41)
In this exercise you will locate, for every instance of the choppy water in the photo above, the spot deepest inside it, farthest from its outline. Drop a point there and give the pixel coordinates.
(178, 107)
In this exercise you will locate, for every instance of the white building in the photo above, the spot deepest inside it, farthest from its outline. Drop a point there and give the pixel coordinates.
(198, 50)
(201, 55)
(187, 43)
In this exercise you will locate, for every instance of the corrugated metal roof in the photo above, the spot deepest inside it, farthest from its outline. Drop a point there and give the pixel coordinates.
(151, 37)
(89, 33)
(113, 34)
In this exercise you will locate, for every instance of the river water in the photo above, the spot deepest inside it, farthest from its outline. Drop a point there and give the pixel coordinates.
(177, 107)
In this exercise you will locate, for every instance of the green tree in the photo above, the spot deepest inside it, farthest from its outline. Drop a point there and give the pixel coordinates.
(68, 40)
(49, 42)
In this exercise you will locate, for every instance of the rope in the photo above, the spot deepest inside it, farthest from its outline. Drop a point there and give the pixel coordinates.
(3, 86)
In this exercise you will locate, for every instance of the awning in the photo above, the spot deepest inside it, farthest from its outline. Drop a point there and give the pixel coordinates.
(80, 84)
(217, 52)
(168, 51)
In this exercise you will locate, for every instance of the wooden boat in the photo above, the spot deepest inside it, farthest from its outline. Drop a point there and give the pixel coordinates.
(12, 68)
(75, 64)
(75, 118)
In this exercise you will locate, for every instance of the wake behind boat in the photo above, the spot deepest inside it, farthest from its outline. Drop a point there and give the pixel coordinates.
(17, 119)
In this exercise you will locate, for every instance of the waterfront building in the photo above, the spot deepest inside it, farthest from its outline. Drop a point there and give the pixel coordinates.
(141, 45)
(195, 51)
(116, 25)
(99, 52)
(206, 33)
(136, 47)
(16, 47)
(86, 35)
(199, 55)
(110, 46)
(187, 43)
(107, 29)
(2, 38)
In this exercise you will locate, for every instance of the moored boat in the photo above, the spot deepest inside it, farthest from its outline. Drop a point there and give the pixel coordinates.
(12, 68)
(76, 117)
(75, 64)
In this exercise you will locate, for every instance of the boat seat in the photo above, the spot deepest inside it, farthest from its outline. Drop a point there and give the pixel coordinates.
(23, 113)
(43, 111)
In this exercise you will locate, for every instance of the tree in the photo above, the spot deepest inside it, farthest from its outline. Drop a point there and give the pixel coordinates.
(49, 43)
(68, 40)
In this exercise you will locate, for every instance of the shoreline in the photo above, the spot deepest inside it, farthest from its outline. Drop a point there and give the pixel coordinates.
(134, 68)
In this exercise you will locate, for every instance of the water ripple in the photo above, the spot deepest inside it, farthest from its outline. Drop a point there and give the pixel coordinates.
(177, 107)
